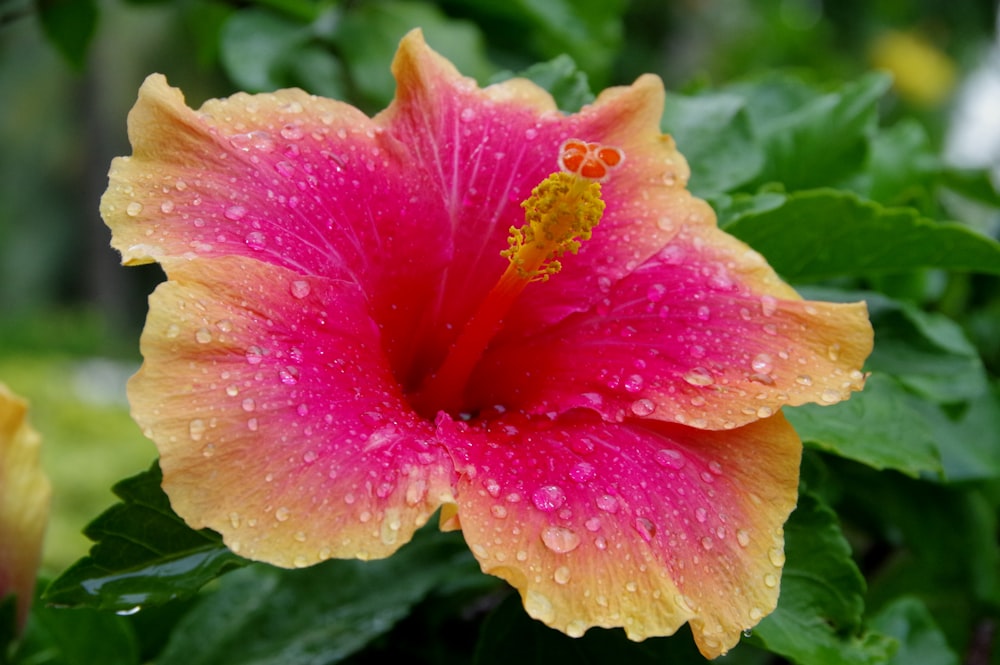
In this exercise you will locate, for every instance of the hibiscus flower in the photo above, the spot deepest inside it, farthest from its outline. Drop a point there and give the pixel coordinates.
(24, 503)
(475, 303)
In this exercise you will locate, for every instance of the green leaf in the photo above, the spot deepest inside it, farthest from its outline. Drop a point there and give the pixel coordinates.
(367, 36)
(811, 139)
(883, 426)
(268, 616)
(818, 618)
(144, 554)
(823, 233)
(970, 443)
(70, 26)
(254, 44)
(921, 642)
(713, 132)
(560, 76)
(76, 637)
(902, 167)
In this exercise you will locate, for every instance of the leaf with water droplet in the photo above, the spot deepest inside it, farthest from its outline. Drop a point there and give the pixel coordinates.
(144, 554)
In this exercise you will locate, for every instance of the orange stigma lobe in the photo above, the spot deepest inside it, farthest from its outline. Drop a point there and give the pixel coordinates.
(589, 160)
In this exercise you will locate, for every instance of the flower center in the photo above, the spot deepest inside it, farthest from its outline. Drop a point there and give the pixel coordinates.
(560, 213)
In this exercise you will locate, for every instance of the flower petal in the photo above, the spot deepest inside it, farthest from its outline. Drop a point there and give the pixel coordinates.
(646, 525)
(25, 493)
(278, 422)
(703, 334)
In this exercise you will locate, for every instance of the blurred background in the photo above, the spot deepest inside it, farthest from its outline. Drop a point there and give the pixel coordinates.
(70, 316)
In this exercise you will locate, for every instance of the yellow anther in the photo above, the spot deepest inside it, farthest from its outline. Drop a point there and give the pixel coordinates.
(561, 211)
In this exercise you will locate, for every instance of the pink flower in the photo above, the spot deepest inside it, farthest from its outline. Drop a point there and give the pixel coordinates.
(24, 503)
(359, 327)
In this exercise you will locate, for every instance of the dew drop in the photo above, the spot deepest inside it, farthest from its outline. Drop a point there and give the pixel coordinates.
(707, 543)
(133, 209)
(669, 458)
(833, 352)
(196, 428)
(256, 240)
(289, 375)
(467, 115)
(715, 468)
(743, 538)
(768, 305)
(548, 498)
(234, 213)
(560, 539)
(762, 363)
(765, 412)
(291, 132)
(232, 390)
(281, 514)
(755, 615)
(829, 396)
(633, 383)
(538, 606)
(498, 511)
(249, 404)
(804, 380)
(645, 528)
(607, 503)
(593, 524)
(300, 288)
(777, 556)
(642, 407)
(203, 336)
(310, 456)
(699, 376)
(167, 207)
(173, 330)
(771, 580)
(701, 515)
(252, 424)
(703, 313)
(562, 575)
(582, 472)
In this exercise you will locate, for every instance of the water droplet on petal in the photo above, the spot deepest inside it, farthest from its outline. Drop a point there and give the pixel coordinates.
(642, 407)
(196, 428)
(699, 376)
(256, 240)
(203, 336)
(133, 209)
(768, 305)
(707, 543)
(560, 539)
(645, 528)
(255, 355)
(762, 363)
(292, 132)
(669, 458)
(289, 375)
(633, 383)
(743, 538)
(770, 580)
(300, 288)
(562, 575)
(582, 472)
(755, 615)
(830, 396)
(607, 503)
(281, 514)
(701, 515)
(548, 498)
(777, 556)
(234, 213)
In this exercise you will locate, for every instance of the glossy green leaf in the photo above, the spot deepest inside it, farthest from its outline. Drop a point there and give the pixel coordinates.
(921, 642)
(254, 46)
(144, 554)
(268, 616)
(70, 26)
(75, 637)
(970, 442)
(819, 613)
(560, 76)
(883, 426)
(367, 36)
(810, 138)
(713, 132)
(823, 233)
